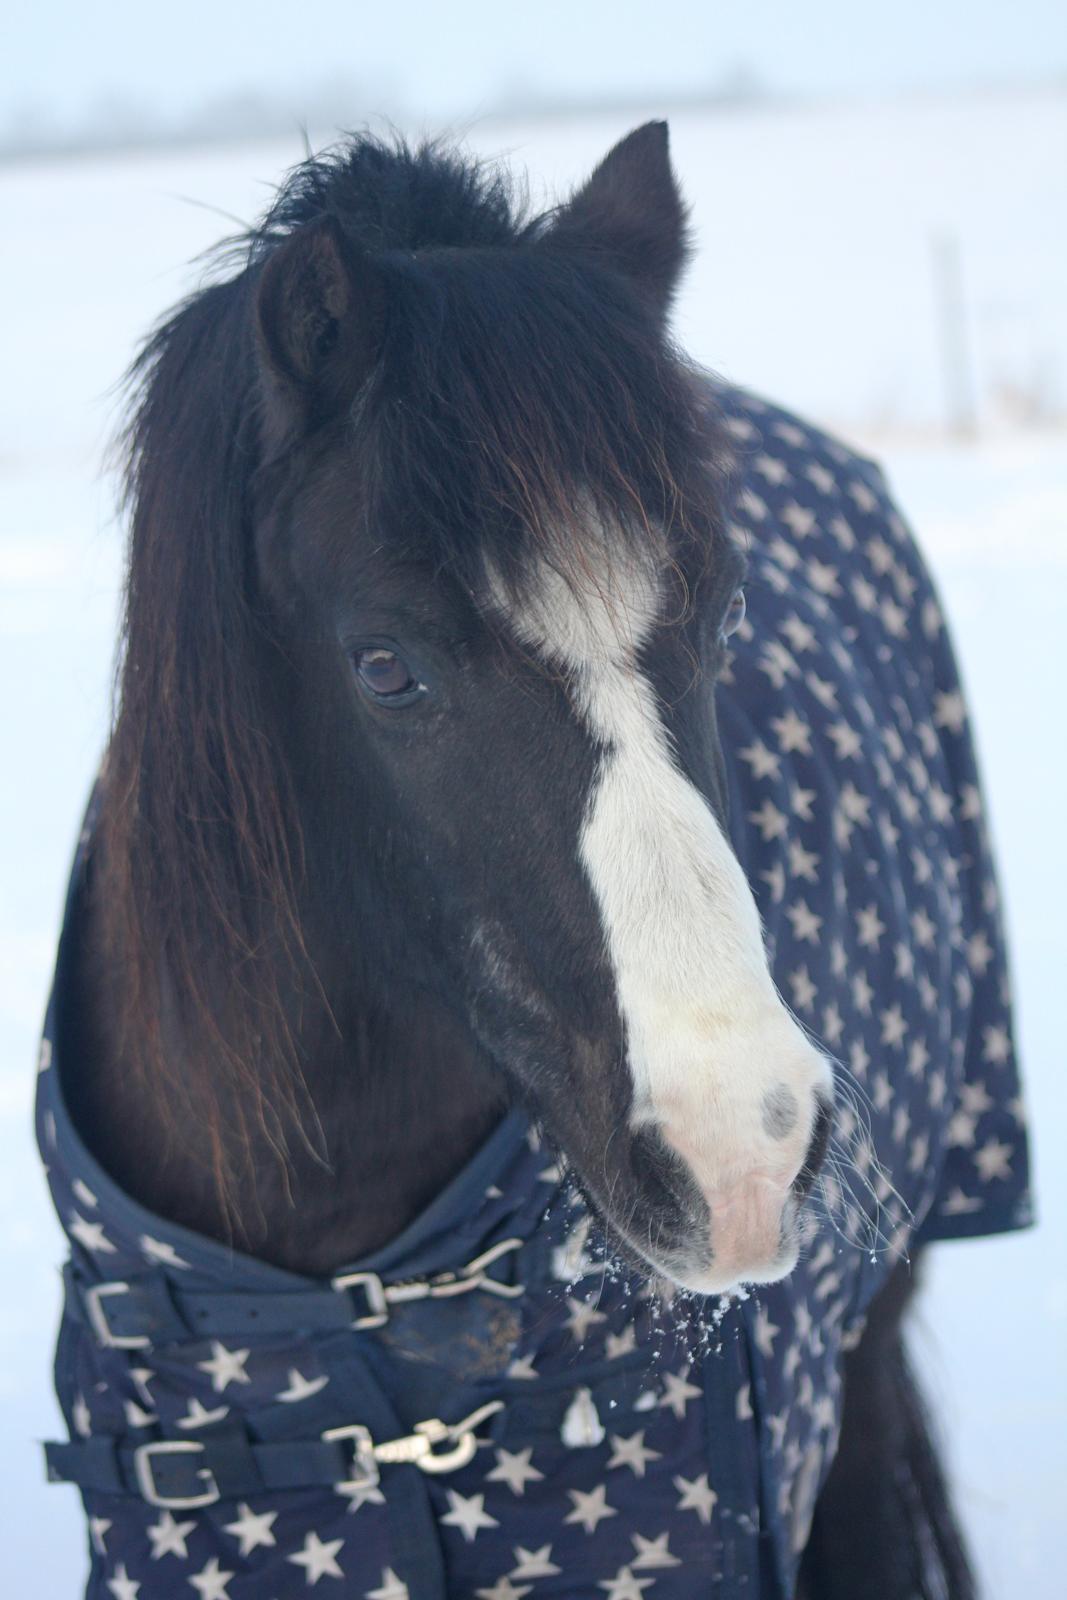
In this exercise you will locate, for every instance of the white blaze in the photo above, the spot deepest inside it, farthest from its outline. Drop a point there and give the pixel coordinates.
(708, 1036)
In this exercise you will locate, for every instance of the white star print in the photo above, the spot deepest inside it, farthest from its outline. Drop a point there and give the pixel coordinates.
(863, 497)
(678, 1391)
(632, 1452)
(300, 1388)
(591, 1508)
(777, 1423)
(198, 1415)
(993, 1160)
(997, 1046)
(957, 1204)
(137, 1416)
(803, 989)
(696, 1495)
(391, 1587)
(514, 1469)
(823, 690)
(773, 468)
(950, 711)
(98, 1530)
(801, 519)
(792, 732)
(833, 1025)
(81, 1416)
(160, 1251)
(823, 577)
(864, 592)
(142, 1377)
(855, 806)
(979, 952)
(764, 763)
(534, 1563)
(801, 801)
(318, 1558)
(620, 1344)
(210, 1583)
(847, 742)
(582, 1315)
(843, 533)
(503, 1589)
(168, 1537)
(870, 928)
(122, 1586)
(769, 820)
(90, 1234)
(806, 924)
(801, 634)
(802, 863)
(225, 1366)
(824, 1414)
(822, 479)
(468, 1514)
(252, 1529)
(961, 1131)
(975, 1098)
(904, 958)
(624, 1586)
(652, 1552)
(764, 1332)
(894, 1026)
(776, 878)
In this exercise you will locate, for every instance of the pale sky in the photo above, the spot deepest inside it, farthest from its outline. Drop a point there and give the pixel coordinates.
(62, 62)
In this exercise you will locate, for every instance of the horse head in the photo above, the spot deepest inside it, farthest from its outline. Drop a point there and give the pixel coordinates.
(491, 586)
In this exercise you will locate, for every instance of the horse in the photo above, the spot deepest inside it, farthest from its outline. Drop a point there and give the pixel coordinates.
(414, 831)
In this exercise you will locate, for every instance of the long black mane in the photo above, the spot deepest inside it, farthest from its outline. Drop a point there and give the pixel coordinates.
(519, 382)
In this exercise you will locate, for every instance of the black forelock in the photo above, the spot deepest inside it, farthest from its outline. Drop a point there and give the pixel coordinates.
(521, 383)
(389, 195)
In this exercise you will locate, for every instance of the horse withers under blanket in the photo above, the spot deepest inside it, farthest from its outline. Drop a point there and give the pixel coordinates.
(452, 777)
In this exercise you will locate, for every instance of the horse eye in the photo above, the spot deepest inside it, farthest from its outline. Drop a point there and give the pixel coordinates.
(735, 614)
(384, 673)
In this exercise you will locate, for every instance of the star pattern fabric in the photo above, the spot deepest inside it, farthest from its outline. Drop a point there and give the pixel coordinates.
(647, 1445)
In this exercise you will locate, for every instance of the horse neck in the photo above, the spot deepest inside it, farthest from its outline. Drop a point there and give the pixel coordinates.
(399, 1099)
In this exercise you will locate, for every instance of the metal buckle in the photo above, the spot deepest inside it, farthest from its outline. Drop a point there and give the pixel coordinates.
(475, 1270)
(374, 1290)
(99, 1323)
(417, 1447)
(363, 1457)
(142, 1466)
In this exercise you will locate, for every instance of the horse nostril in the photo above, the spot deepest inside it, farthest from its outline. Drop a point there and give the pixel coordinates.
(820, 1140)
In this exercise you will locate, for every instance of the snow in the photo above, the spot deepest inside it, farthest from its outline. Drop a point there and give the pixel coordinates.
(813, 284)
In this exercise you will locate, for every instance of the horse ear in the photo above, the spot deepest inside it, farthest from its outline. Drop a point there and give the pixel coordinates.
(320, 317)
(631, 211)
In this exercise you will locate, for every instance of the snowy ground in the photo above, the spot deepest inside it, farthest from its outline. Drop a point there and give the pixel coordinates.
(812, 285)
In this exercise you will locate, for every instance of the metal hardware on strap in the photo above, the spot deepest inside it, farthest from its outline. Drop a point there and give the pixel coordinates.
(142, 1466)
(417, 1447)
(94, 1297)
(381, 1295)
(375, 1292)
